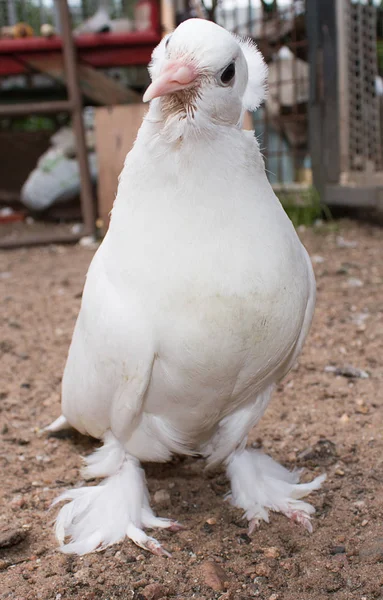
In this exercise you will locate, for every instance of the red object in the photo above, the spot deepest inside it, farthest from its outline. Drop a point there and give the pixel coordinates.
(98, 50)
(12, 217)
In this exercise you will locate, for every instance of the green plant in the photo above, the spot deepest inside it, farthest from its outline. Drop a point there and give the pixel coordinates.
(303, 206)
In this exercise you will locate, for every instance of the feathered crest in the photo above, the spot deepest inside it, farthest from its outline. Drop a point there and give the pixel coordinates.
(256, 88)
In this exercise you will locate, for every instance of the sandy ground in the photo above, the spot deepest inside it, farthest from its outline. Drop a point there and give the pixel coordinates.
(319, 420)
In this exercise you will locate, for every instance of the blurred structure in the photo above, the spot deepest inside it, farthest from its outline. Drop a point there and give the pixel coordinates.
(322, 122)
(345, 101)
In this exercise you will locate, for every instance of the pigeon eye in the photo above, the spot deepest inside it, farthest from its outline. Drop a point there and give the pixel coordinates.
(228, 74)
(167, 41)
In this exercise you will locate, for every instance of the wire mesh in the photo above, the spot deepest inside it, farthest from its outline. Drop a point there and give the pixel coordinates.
(365, 136)
(281, 124)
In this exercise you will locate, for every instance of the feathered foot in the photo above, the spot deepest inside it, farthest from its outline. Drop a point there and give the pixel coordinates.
(259, 484)
(97, 516)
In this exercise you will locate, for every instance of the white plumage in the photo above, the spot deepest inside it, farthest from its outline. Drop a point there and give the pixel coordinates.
(197, 302)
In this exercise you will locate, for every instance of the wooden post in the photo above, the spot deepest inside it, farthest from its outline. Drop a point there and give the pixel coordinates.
(70, 61)
(168, 16)
(324, 115)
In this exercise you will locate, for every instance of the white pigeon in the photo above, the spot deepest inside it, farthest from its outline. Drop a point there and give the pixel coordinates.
(196, 304)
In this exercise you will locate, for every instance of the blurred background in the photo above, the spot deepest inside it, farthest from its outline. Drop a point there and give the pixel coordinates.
(72, 76)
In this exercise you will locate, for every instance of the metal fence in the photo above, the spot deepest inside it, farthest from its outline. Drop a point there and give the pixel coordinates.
(346, 91)
(281, 124)
(364, 137)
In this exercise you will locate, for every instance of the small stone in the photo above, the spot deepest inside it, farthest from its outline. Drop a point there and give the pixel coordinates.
(274, 597)
(344, 419)
(244, 538)
(361, 407)
(354, 282)
(214, 576)
(162, 497)
(338, 550)
(12, 537)
(339, 472)
(211, 521)
(372, 550)
(272, 552)
(262, 570)
(154, 591)
(342, 243)
(364, 522)
(347, 371)
(17, 502)
(81, 574)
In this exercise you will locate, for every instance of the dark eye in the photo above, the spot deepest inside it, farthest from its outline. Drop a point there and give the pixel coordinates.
(228, 74)
(167, 41)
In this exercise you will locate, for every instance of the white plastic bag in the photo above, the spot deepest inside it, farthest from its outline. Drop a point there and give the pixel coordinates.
(56, 179)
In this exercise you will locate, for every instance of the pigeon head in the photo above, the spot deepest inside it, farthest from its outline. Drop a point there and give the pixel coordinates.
(202, 70)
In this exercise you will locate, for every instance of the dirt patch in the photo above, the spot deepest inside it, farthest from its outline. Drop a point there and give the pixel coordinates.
(319, 419)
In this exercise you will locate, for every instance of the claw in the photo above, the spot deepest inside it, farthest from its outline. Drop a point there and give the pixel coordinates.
(175, 526)
(299, 516)
(155, 548)
(253, 523)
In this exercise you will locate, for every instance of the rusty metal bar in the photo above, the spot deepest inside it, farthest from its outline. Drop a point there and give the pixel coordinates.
(74, 94)
(28, 108)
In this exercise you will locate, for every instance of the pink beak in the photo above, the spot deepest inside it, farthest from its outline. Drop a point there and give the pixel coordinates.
(174, 77)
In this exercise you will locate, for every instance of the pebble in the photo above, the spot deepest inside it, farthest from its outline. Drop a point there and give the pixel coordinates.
(347, 371)
(213, 575)
(81, 574)
(272, 552)
(354, 282)
(162, 497)
(244, 538)
(154, 591)
(338, 550)
(211, 521)
(262, 570)
(372, 550)
(361, 407)
(342, 243)
(339, 472)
